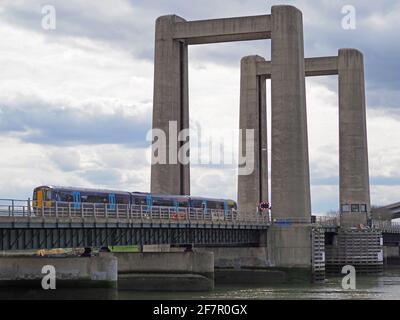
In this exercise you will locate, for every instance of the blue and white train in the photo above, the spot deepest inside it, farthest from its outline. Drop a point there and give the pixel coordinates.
(46, 196)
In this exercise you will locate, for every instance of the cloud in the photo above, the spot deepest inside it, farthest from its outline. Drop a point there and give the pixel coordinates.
(36, 121)
(77, 100)
(66, 159)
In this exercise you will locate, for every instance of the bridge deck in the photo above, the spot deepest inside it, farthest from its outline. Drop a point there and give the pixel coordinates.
(95, 225)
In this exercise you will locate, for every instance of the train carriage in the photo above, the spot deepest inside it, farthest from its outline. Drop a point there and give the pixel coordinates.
(69, 199)
(86, 201)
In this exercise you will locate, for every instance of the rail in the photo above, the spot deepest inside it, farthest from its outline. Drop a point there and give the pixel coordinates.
(58, 209)
(327, 221)
(321, 221)
(387, 226)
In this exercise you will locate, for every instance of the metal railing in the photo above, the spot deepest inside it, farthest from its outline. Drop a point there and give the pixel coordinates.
(327, 221)
(290, 221)
(387, 226)
(323, 221)
(143, 213)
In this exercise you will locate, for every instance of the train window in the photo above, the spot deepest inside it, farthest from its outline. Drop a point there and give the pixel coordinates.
(183, 204)
(47, 196)
(122, 199)
(65, 197)
(97, 199)
(196, 203)
(215, 205)
(140, 201)
(163, 202)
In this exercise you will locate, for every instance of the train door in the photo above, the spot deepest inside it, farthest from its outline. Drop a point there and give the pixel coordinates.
(76, 195)
(226, 209)
(111, 201)
(149, 202)
(39, 198)
(204, 206)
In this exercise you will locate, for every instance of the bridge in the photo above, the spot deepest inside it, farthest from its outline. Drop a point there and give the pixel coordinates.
(68, 225)
(388, 212)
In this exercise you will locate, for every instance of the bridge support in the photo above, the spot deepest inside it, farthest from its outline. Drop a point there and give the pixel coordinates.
(170, 106)
(353, 149)
(353, 159)
(252, 184)
(290, 246)
(290, 181)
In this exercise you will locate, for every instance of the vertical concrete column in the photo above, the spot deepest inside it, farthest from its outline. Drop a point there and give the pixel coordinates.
(353, 149)
(290, 180)
(253, 174)
(170, 103)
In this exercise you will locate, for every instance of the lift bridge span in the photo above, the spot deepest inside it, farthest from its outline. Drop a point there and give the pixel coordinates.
(68, 225)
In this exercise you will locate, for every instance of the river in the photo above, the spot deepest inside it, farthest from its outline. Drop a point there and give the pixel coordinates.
(385, 286)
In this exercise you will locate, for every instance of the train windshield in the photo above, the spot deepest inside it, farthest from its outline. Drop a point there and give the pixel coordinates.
(47, 195)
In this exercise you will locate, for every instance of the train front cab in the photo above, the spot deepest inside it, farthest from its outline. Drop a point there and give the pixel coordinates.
(42, 200)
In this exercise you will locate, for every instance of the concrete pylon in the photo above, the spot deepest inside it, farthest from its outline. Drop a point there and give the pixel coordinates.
(170, 103)
(290, 179)
(353, 148)
(252, 184)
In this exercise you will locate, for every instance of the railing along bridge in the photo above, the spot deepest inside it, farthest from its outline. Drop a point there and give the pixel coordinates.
(69, 224)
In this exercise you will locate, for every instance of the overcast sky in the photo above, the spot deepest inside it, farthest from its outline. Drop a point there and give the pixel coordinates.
(76, 102)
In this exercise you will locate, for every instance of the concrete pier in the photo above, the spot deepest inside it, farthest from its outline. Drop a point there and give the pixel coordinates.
(290, 180)
(26, 271)
(353, 148)
(166, 271)
(290, 246)
(238, 257)
(170, 103)
(253, 186)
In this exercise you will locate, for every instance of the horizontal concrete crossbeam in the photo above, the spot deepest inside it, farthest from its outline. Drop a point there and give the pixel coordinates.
(320, 66)
(224, 30)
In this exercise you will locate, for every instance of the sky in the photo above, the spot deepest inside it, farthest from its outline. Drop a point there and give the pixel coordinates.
(76, 101)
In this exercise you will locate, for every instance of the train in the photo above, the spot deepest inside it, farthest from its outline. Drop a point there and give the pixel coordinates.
(46, 196)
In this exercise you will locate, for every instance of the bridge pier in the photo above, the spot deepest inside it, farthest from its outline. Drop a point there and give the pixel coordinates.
(290, 181)
(252, 184)
(355, 204)
(166, 271)
(170, 107)
(91, 272)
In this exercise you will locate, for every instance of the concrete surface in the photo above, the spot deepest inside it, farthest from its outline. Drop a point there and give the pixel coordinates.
(170, 103)
(224, 30)
(353, 147)
(201, 263)
(290, 246)
(238, 257)
(252, 184)
(99, 271)
(164, 282)
(290, 180)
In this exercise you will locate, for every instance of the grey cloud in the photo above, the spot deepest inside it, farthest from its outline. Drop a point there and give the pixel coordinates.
(107, 176)
(323, 34)
(66, 160)
(39, 122)
(386, 181)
